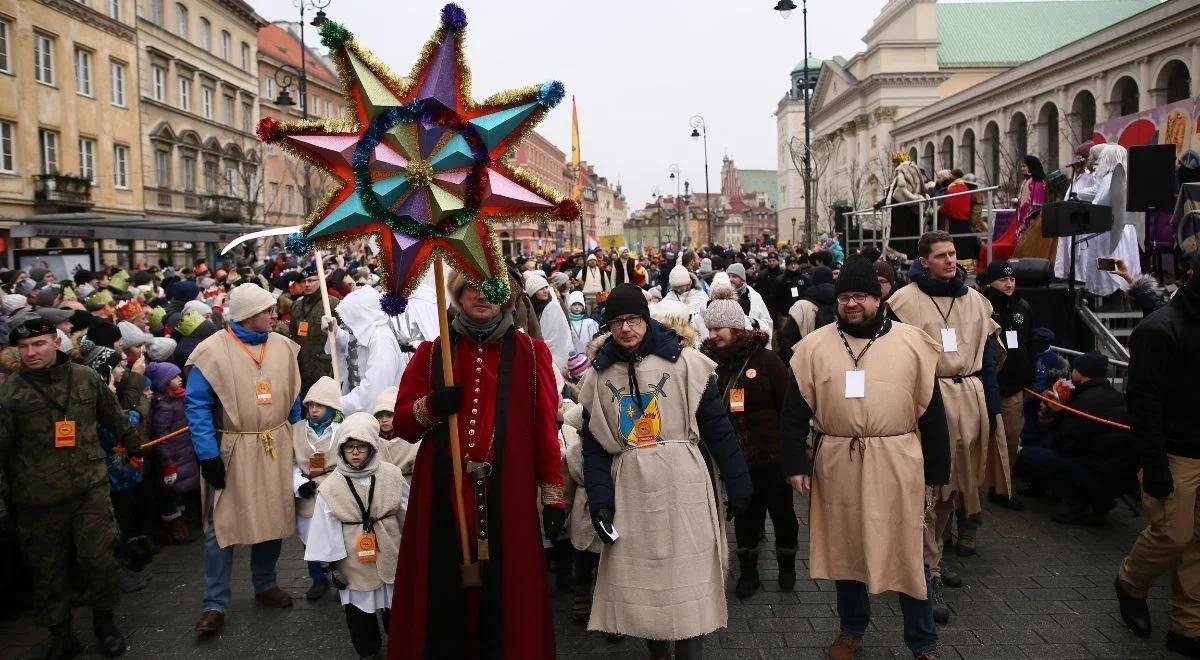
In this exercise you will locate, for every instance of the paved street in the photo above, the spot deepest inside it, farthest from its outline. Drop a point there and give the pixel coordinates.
(1036, 590)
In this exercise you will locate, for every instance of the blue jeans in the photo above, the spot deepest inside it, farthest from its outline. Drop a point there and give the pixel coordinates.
(854, 608)
(218, 567)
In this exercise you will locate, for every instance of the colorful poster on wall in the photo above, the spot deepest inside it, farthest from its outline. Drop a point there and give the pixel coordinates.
(1175, 123)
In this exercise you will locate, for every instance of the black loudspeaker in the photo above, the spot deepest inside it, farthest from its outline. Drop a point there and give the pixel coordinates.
(1151, 182)
(1032, 272)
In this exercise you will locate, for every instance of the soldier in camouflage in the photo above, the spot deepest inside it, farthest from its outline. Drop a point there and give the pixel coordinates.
(53, 464)
(308, 330)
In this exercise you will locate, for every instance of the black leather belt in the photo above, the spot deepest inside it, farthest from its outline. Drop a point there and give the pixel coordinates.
(479, 472)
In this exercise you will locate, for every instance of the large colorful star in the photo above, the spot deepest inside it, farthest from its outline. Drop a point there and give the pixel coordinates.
(420, 165)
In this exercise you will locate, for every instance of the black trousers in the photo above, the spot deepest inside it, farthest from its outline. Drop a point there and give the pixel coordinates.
(364, 629)
(585, 568)
(772, 495)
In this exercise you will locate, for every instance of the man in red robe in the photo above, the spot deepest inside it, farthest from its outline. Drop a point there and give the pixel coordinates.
(506, 398)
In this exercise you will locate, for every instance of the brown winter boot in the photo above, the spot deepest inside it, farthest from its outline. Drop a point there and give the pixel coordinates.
(845, 646)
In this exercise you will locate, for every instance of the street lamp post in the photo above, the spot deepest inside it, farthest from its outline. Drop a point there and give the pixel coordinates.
(700, 130)
(674, 170)
(658, 219)
(687, 212)
(785, 7)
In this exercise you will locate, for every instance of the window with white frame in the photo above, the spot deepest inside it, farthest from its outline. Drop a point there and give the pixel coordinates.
(273, 191)
(87, 159)
(228, 110)
(43, 59)
(181, 21)
(162, 168)
(83, 71)
(269, 89)
(226, 45)
(247, 117)
(7, 148)
(206, 104)
(287, 198)
(245, 56)
(48, 146)
(114, 9)
(188, 171)
(230, 181)
(210, 177)
(185, 93)
(328, 109)
(205, 34)
(116, 79)
(5, 59)
(120, 166)
(156, 12)
(158, 82)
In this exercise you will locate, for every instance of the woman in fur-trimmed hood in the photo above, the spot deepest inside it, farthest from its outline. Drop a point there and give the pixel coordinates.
(752, 381)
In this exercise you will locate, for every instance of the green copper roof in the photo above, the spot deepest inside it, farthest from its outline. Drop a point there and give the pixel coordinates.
(814, 64)
(1007, 33)
(764, 181)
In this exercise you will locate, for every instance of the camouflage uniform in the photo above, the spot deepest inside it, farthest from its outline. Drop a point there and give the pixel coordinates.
(60, 494)
(314, 361)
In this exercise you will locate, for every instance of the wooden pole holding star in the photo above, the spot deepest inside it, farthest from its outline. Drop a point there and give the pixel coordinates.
(421, 166)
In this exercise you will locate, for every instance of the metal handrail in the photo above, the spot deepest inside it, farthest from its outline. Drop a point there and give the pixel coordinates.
(1104, 337)
(923, 200)
(989, 214)
(1073, 353)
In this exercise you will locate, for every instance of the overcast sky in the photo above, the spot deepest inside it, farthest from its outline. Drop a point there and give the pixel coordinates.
(639, 69)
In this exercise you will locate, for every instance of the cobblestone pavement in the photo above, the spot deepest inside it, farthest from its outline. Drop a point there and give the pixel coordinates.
(1036, 590)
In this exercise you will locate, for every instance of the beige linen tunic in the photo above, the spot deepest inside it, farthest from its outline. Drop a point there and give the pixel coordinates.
(257, 503)
(303, 451)
(868, 488)
(966, 407)
(389, 496)
(664, 577)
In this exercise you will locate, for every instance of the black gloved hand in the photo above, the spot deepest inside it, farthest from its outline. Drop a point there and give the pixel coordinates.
(552, 522)
(335, 576)
(605, 516)
(878, 205)
(213, 471)
(307, 489)
(735, 508)
(445, 401)
(1157, 481)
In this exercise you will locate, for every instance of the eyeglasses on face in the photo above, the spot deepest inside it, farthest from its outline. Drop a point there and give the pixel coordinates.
(847, 298)
(632, 320)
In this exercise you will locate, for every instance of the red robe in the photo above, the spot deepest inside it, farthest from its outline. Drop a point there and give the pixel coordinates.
(511, 616)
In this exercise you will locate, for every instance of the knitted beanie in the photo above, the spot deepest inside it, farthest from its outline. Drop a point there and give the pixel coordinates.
(104, 333)
(534, 283)
(626, 299)
(822, 275)
(996, 270)
(1092, 364)
(198, 306)
(679, 277)
(160, 374)
(161, 349)
(724, 310)
(738, 270)
(248, 299)
(184, 290)
(577, 365)
(858, 275)
(133, 335)
(575, 298)
(884, 269)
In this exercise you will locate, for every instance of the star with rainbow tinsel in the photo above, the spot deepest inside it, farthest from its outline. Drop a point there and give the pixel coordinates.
(421, 165)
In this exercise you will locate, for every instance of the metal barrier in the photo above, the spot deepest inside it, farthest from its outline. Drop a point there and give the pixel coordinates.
(1118, 370)
(989, 215)
(1105, 339)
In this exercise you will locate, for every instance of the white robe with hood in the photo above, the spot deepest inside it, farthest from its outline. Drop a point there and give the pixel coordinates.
(380, 362)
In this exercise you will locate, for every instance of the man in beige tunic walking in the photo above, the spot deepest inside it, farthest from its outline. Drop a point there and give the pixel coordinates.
(243, 390)
(959, 319)
(868, 386)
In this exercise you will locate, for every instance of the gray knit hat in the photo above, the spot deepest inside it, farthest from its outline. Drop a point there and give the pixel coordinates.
(737, 269)
(724, 310)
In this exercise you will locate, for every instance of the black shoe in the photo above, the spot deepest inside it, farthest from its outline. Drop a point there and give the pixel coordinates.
(109, 640)
(1074, 516)
(950, 577)
(63, 644)
(1134, 612)
(787, 569)
(1189, 646)
(146, 545)
(747, 582)
(317, 590)
(941, 611)
(1009, 502)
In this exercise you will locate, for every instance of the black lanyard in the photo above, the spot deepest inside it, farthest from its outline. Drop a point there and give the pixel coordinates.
(368, 523)
(946, 316)
(863, 352)
(735, 379)
(61, 407)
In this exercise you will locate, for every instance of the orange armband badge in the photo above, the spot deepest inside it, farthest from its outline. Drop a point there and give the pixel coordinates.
(64, 434)
(366, 548)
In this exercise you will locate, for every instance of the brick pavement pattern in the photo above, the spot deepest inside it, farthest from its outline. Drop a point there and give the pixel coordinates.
(1036, 590)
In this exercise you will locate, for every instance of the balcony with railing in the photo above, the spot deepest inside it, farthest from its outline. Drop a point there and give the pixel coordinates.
(61, 193)
(222, 208)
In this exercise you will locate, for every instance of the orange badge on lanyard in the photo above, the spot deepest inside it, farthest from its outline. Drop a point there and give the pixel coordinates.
(366, 548)
(64, 434)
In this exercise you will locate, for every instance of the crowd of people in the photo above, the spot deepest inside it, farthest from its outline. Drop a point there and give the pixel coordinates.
(597, 430)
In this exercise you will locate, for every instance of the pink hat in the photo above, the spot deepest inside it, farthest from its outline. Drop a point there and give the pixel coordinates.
(577, 365)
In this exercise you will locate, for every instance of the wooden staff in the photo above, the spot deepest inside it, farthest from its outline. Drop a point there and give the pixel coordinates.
(161, 439)
(330, 336)
(471, 576)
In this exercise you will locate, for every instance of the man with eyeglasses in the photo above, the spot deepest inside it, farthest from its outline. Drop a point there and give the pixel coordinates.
(868, 385)
(504, 404)
(650, 402)
(242, 393)
(959, 319)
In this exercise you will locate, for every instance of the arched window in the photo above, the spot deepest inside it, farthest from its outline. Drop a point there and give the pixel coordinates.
(1125, 96)
(991, 140)
(1083, 115)
(927, 163)
(1048, 136)
(1174, 79)
(946, 155)
(966, 152)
